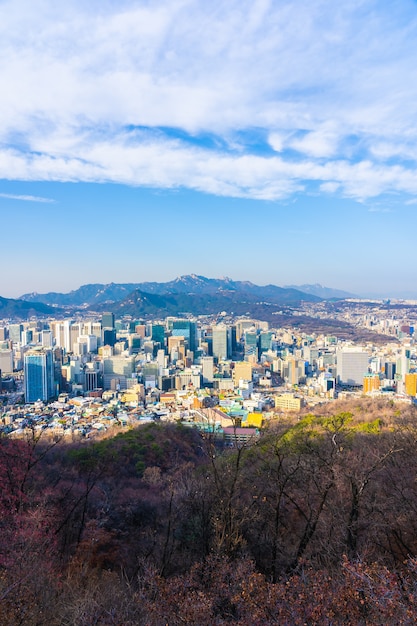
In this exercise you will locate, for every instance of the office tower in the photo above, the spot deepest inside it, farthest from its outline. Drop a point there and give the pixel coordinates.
(135, 343)
(403, 364)
(96, 330)
(62, 336)
(186, 329)
(242, 326)
(26, 337)
(92, 376)
(352, 365)
(176, 348)
(6, 361)
(47, 338)
(132, 325)
(39, 375)
(3, 333)
(293, 370)
(107, 320)
(161, 359)
(150, 375)
(90, 341)
(140, 329)
(109, 336)
(15, 332)
(251, 344)
(390, 370)
(207, 369)
(118, 368)
(242, 371)
(221, 338)
(158, 334)
(265, 341)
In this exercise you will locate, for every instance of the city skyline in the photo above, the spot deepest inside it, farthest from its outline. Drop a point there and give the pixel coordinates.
(264, 142)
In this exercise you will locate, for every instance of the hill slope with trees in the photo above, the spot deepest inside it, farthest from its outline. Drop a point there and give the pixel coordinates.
(315, 524)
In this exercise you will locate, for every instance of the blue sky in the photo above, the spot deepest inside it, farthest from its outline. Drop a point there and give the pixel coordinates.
(269, 141)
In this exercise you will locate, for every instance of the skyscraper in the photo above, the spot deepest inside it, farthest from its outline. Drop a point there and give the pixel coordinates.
(186, 329)
(158, 334)
(221, 342)
(352, 365)
(251, 344)
(107, 320)
(39, 375)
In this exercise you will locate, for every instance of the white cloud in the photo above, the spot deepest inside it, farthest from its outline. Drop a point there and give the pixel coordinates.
(337, 87)
(320, 143)
(11, 196)
(153, 160)
(330, 187)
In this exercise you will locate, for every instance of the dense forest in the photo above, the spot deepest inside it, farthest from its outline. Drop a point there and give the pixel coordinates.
(316, 523)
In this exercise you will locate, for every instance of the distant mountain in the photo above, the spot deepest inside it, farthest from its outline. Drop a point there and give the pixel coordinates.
(142, 304)
(325, 293)
(83, 296)
(19, 309)
(96, 295)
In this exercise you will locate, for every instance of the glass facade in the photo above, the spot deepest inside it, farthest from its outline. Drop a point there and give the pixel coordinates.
(39, 376)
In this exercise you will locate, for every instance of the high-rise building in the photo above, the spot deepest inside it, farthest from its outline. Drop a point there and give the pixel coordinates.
(6, 361)
(107, 320)
(242, 326)
(176, 348)
(251, 344)
(47, 338)
(109, 336)
(390, 370)
(207, 369)
(403, 364)
(158, 334)
(221, 342)
(26, 337)
(352, 365)
(186, 329)
(15, 332)
(265, 341)
(242, 371)
(39, 375)
(293, 370)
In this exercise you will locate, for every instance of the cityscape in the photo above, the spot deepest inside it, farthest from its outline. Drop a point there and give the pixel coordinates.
(89, 372)
(208, 313)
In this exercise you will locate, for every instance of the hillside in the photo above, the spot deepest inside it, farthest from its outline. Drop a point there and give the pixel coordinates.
(19, 309)
(313, 524)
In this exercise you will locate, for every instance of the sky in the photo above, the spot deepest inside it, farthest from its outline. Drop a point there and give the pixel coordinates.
(272, 141)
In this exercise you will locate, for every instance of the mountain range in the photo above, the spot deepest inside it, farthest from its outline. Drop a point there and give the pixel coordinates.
(190, 285)
(326, 293)
(186, 294)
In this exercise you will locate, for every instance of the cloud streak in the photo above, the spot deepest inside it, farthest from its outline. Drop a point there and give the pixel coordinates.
(127, 92)
(11, 196)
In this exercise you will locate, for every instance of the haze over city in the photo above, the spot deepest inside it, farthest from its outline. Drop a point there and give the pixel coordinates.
(270, 142)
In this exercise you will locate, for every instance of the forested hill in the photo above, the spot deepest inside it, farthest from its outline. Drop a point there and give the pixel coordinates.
(313, 524)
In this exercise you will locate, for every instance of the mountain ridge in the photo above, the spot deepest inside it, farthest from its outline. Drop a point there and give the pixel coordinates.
(192, 284)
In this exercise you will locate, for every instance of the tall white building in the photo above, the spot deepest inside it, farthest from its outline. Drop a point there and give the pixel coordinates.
(352, 365)
(207, 369)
